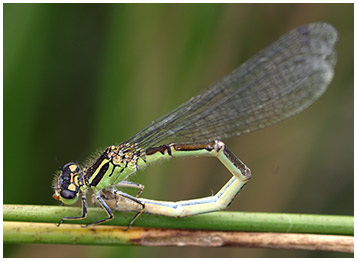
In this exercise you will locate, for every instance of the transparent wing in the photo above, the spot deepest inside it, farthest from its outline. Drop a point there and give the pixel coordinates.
(278, 82)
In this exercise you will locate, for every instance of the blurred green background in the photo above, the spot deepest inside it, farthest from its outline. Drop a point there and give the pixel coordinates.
(80, 77)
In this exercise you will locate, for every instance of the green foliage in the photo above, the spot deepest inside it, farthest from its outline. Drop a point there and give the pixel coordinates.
(80, 77)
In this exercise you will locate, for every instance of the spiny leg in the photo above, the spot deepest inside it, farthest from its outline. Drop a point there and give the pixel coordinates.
(129, 184)
(106, 208)
(84, 212)
(135, 200)
(111, 195)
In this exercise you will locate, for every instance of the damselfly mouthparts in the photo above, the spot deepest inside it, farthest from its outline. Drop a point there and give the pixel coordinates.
(278, 82)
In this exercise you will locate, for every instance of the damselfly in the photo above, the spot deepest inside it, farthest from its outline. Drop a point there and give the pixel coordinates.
(278, 82)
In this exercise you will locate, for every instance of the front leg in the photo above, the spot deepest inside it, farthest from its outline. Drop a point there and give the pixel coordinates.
(84, 212)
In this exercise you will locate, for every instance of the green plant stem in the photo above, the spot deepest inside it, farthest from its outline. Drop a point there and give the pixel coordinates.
(223, 220)
(45, 233)
(36, 224)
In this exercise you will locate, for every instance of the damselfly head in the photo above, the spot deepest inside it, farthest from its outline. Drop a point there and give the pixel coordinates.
(67, 184)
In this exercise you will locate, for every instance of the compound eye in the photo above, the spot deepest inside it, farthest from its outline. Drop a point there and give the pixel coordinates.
(68, 194)
(70, 168)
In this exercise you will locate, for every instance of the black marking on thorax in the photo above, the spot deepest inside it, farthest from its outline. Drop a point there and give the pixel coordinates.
(100, 175)
(92, 169)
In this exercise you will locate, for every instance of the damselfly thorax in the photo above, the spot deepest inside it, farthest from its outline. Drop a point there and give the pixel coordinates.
(115, 164)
